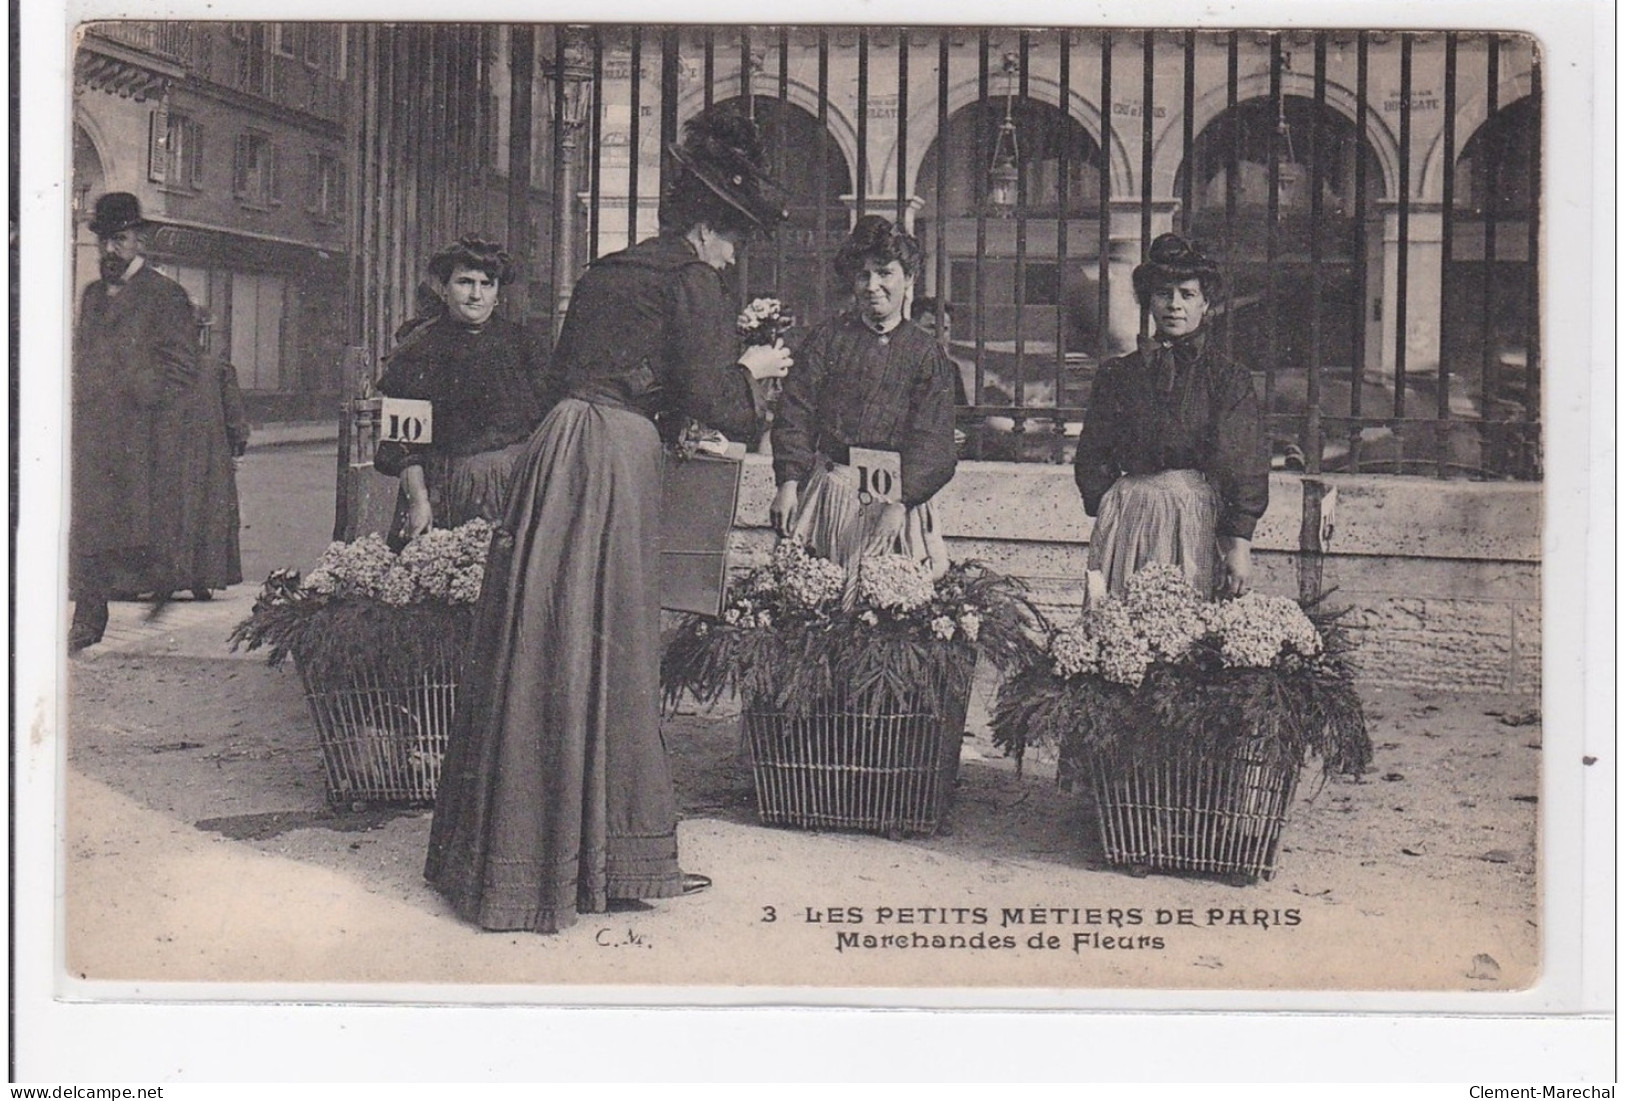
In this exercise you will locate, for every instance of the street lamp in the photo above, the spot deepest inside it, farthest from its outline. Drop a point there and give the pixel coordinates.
(1003, 176)
(569, 93)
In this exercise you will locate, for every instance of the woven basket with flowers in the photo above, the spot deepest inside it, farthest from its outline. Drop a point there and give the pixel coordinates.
(377, 638)
(1189, 720)
(853, 701)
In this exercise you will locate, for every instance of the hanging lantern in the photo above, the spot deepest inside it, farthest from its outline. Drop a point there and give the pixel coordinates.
(1004, 175)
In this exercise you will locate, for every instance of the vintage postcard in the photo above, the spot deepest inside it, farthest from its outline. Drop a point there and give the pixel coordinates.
(1293, 310)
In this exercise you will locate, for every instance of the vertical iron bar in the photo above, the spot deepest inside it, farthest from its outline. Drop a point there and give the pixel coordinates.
(1272, 240)
(558, 186)
(820, 280)
(1232, 185)
(1531, 380)
(1187, 190)
(1148, 64)
(522, 78)
(1019, 333)
(781, 114)
(1062, 220)
(746, 92)
(1311, 443)
(596, 145)
(902, 125)
(1402, 283)
(940, 202)
(863, 123)
(709, 37)
(1447, 246)
(1104, 240)
(668, 80)
(1490, 152)
(980, 176)
(1362, 107)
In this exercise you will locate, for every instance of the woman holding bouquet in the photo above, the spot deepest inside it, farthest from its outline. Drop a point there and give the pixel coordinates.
(868, 378)
(555, 794)
(483, 376)
(1171, 460)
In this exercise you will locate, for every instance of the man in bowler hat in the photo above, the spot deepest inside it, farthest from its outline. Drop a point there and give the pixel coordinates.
(135, 356)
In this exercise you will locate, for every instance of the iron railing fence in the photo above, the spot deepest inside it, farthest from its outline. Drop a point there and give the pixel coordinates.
(1373, 199)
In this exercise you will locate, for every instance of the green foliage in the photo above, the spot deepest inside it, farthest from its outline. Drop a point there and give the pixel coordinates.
(802, 655)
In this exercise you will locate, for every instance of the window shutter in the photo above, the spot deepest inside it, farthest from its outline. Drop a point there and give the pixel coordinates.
(239, 167)
(273, 184)
(313, 187)
(157, 145)
(341, 192)
(194, 145)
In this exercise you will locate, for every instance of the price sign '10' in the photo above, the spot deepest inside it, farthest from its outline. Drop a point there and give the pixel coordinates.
(406, 420)
(880, 474)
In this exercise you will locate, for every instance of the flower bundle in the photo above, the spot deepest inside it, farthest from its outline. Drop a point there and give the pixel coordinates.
(363, 604)
(788, 636)
(763, 321)
(1159, 671)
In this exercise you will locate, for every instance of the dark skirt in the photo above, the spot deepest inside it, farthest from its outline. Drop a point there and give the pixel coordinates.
(555, 793)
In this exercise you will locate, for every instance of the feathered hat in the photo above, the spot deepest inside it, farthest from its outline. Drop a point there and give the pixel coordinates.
(723, 150)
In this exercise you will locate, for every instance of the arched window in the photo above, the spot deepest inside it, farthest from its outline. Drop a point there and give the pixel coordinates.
(1233, 160)
(801, 155)
(1058, 169)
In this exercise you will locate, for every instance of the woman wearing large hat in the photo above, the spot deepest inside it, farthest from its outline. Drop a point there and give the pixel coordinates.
(1171, 461)
(555, 795)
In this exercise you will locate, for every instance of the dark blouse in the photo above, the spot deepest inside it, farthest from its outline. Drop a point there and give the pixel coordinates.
(485, 384)
(1178, 407)
(650, 328)
(853, 387)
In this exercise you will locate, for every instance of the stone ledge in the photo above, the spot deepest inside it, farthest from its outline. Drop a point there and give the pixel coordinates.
(1376, 514)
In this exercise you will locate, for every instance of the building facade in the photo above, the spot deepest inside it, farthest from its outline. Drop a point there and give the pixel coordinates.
(233, 136)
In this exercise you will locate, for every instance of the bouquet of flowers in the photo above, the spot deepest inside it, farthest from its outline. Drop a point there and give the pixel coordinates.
(1159, 671)
(404, 611)
(786, 635)
(763, 321)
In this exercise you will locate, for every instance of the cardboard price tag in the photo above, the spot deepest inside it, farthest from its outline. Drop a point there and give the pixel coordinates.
(406, 420)
(880, 474)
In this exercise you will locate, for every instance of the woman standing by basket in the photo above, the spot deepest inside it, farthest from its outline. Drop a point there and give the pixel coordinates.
(1171, 460)
(556, 796)
(868, 378)
(482, 375)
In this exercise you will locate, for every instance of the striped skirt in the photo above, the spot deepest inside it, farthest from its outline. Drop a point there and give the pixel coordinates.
(833, 522)
(1169, 518)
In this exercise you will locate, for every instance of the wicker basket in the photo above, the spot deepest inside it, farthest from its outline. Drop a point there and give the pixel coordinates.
(843, 764)
(382, 741)
(1220, 815)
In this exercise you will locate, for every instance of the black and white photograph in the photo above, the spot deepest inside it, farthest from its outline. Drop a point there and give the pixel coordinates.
(949, 514)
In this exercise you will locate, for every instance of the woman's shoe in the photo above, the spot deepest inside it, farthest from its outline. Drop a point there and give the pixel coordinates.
(694, 883)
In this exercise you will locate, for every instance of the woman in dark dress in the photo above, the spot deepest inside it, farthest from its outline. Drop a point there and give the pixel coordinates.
(1171, 460)
(867, 378)
(482, 375)
(555, 793)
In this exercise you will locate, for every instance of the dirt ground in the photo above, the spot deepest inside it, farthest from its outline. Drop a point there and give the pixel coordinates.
(200, 848)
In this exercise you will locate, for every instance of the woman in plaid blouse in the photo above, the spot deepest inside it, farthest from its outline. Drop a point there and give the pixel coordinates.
(866, 378)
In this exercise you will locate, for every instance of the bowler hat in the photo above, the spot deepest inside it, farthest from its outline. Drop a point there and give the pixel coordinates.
(722, 150)
(117, 211)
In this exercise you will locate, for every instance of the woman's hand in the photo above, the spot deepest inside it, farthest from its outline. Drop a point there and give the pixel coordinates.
(419, 516)
(782, 512)
(1238, 564)
(767, 360)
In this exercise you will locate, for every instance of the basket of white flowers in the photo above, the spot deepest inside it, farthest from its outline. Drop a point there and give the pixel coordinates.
(1189, 720)
(378, 640)
(853, 697)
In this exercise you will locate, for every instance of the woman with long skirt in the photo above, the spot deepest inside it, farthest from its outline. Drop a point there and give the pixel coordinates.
(1171, 461)
(555, 794)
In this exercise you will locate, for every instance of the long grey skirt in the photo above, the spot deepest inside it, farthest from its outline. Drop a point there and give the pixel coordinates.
(555, 792)
(1165, 518)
